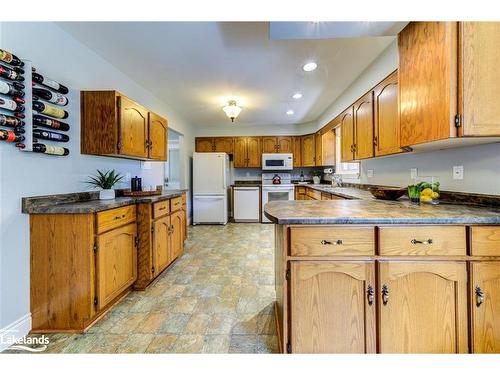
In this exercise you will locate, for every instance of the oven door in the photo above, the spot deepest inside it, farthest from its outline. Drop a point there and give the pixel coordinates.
(272, 194)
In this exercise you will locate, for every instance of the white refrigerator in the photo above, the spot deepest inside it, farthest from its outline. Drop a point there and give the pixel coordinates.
(210, 185)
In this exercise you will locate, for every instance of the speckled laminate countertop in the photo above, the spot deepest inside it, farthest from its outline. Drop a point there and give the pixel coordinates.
(82, 203)
(362, 208)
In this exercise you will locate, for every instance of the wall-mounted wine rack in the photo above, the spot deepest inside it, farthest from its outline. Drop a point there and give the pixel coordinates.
(45, 136)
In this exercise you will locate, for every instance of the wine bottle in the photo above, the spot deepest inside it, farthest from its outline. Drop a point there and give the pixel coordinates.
(10, 136)
(52, 97)
(46, 122)
(53, 150)
(12, 89)
(49, 110)
(20, 145)
(11, 105)
(10, 121)
(10, 58)
(19, 115)
(10, 73)
(41, 80)
(51, 136)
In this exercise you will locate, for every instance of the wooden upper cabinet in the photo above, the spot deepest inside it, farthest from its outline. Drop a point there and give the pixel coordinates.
(158, 137)
(428, 81)
(254, 152)
(479, 82)
(363, 127)
(204, 144)
(284, 144)
(485, 307)
(386, 116)
(308, 151)
(114, 125)
(328, 148)
(269, 145)
(297, 151)
(347, 135)
(422, 307)
(318, 161)
(133, 128)
(332, 307)
(240, 152)
(116, 263)
(224, 144)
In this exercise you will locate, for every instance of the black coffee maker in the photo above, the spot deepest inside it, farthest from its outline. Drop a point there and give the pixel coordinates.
(136, 184)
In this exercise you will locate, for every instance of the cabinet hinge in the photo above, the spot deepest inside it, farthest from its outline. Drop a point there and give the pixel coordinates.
(136, 241)
(458, 120)
(288, 275)
(152, 229)
(95, 301)
(288, 347)
(95, 248)
(153, 269)
(119, 146)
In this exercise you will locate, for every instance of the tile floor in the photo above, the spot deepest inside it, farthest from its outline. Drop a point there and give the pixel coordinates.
(217, 298)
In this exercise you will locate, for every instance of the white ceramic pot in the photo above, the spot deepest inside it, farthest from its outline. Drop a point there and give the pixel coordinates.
(107, 194)
(316, 180)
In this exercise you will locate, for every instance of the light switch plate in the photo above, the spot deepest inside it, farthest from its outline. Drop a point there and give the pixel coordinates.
(369, 173)
(413, 172)
(458, 172)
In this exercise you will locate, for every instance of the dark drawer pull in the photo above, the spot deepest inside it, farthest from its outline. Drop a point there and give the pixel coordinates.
(119, 217)
(425, 242)
(479, 296)
(325, 242)
(161, 208)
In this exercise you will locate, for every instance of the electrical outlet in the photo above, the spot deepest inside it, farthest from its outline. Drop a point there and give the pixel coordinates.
(413, 172)
(369, 173)
(458, 172)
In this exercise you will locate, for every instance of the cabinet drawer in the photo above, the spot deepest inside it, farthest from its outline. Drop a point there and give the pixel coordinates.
(331, 241)
(485, 240)
(422, 240)
(107, 220)
(300, 189)
(184, 200)
(161, 208)
(314, 194)
(175, 204)
(326, 196)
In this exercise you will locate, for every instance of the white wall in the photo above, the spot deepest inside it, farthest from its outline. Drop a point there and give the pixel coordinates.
(481, 163)
(61, 57)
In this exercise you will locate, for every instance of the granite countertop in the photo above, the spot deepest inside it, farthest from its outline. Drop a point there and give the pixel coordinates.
(244, 183)
(344, 192)
(86, 202)
(362, 208)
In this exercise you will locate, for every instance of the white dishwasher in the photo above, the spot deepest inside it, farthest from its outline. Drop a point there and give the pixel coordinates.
(246, 203)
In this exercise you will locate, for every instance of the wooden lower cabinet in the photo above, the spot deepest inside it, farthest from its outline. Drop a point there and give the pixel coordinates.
(422, 307)
(161, 245)
(332, 310)
(485, 306)
(177, 234)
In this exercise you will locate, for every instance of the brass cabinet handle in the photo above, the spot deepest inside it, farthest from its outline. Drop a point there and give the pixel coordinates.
(425, 242)
(479, 296)
(370, 294)
(385, 294)
(325, 242)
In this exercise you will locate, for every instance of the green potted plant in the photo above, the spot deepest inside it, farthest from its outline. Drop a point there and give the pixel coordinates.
(317, 174)
(105, 181)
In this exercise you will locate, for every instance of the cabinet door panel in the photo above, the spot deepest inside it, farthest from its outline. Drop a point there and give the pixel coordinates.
(133, 128)
(177, 235)
(116, 262)
(161, 244)
(386, 110)
(157, 137)
(297, 147)
(284, 145)
(269, 145)
(347, 135)
(318, 150)
(427, 81)
(240, 152)
(328, 148)
(480, 72)
(204, 145)
(330, 312)
(426, 307)
(224, 144)
(486, 312)
(254, 152)
(308, 151)
(363, 127)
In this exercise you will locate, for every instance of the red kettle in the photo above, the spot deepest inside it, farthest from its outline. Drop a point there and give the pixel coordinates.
(276, 180)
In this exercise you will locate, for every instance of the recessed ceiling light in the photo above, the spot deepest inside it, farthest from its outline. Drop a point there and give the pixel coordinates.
(290, 112)
(310, 66)
(297, 95)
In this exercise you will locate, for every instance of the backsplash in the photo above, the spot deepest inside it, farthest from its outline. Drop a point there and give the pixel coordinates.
(249, 174)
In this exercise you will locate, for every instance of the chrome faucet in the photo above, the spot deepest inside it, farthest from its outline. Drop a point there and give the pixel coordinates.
(337, 180)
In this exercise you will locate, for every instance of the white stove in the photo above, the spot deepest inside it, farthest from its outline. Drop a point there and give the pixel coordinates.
(282, 191)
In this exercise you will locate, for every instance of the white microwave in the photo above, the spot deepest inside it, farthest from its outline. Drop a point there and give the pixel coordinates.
(277, 162)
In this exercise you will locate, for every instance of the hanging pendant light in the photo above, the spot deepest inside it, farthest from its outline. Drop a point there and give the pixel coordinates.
(231, 110)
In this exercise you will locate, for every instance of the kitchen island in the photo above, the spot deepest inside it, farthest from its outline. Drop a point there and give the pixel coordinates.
(369, 276)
